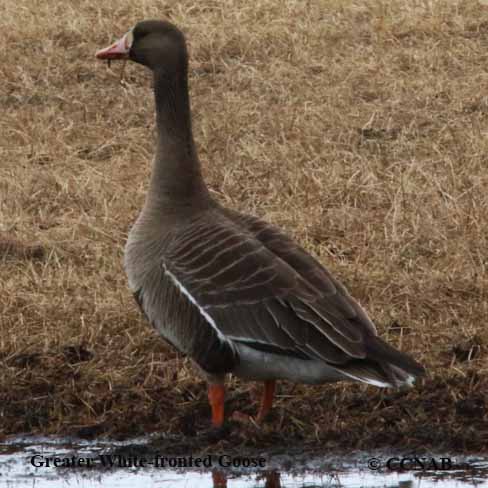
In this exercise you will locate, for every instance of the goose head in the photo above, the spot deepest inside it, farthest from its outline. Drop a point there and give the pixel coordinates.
(157, 44)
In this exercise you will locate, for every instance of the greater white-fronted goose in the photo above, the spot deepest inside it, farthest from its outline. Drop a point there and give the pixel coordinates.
(229, 290)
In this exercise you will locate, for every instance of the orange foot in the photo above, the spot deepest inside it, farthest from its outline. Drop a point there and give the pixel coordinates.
(265, 407)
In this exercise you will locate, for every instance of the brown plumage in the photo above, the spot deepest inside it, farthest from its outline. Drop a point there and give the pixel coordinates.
(229, 290)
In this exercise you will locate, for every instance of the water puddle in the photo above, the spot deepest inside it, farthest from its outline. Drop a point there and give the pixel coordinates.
(45, 462)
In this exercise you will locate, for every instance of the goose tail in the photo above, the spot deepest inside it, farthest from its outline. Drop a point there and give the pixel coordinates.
(384, 366)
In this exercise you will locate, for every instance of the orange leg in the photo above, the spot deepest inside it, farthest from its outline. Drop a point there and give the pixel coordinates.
(216, 396)
(266, 400)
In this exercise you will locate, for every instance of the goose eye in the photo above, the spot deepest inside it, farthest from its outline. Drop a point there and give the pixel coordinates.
(129, 39)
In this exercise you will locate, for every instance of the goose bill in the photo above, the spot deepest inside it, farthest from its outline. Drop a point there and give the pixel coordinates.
(118, 50)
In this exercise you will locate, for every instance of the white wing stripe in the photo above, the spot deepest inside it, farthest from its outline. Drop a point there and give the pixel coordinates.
(185, 292)
(368, 381)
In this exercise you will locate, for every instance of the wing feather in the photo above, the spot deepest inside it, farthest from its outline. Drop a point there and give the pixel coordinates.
(259, 289)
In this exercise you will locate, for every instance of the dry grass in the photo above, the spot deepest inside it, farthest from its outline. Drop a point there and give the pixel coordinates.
(359, 127)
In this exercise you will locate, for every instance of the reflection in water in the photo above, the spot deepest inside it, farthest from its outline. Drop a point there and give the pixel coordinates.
(16, 471)
(219, 479)
(474, 474)
(271, 479)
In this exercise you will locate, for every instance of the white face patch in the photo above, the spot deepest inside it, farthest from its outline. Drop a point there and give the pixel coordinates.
(129, 39)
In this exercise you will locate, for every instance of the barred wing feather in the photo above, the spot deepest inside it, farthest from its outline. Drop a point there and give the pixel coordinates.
(271, 299)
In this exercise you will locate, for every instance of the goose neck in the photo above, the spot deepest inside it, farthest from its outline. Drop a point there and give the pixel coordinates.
(176, 175)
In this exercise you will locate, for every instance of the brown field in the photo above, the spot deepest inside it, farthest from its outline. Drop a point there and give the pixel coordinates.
(359, 127)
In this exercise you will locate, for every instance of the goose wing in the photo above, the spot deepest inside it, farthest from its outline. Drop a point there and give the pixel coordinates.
(260, 288)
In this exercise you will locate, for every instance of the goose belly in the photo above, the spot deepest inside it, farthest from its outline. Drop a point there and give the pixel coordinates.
(143, 265)
(175, 315)
(260, 366)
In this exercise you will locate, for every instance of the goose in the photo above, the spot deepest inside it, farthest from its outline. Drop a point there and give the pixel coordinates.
(230, 291)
